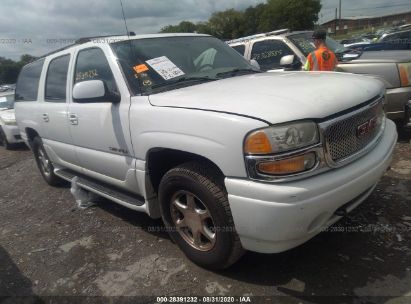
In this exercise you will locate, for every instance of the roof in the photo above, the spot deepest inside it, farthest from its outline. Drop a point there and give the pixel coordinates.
(116, 38)
(366, 17)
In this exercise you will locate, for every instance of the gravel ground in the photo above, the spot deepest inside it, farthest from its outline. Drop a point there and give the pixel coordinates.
(50, 248)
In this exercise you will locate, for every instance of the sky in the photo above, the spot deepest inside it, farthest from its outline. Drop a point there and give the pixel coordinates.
(38, 26)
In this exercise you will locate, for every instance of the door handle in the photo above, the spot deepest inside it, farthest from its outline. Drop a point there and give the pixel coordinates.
(46, 117)
(73, 119)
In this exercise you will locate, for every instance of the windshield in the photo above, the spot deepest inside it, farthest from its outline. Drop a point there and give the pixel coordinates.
(153, 65)
(305, 44)
(7, 102)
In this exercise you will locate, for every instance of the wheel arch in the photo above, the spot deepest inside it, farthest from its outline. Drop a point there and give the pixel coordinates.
(159, 161)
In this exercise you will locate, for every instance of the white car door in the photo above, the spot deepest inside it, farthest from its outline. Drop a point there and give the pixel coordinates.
(100, 130)
(53, 110)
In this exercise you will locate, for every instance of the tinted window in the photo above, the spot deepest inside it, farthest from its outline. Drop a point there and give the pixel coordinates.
(28, 82)
(91, 65)
(240, 48)
(268, 53)
(57, 79)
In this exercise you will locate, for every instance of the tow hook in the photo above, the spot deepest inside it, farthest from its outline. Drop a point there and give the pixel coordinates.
(342, 211)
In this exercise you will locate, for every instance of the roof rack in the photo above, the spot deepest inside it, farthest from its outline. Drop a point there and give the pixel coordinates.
(247, 38)
(83, 40)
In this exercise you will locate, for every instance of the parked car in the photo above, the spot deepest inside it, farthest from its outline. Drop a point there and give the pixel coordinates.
(353, 42)
(393, 67)
(182, 127)
(9, 132)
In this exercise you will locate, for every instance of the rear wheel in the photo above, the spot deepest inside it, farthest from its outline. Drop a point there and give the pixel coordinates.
(44, 163)
(3, 140)
(197, 215)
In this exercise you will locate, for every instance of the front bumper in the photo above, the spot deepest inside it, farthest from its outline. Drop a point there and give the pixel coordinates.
(396, 101)
(272, 218)
(12, 134)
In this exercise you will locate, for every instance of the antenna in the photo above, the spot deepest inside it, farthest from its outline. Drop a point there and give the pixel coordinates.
(129, 42)
(124, 18)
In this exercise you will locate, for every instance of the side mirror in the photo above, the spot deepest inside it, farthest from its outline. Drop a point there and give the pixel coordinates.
(290, 63)
(255, 64)
(91, 91)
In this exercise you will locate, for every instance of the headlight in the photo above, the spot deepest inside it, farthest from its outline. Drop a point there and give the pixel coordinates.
(9, 118)
(405, 74)
(282, 138)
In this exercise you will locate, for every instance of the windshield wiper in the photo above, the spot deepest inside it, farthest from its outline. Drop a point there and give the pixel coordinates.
(236, 72)
(182, 80)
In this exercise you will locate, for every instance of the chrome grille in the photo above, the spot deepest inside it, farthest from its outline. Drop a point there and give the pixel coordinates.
(349, 135)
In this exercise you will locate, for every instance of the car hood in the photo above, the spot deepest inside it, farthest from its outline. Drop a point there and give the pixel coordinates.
(384, 56)
(276, 97)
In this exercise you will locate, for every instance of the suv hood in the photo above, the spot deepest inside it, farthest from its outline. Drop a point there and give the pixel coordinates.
(384, 56)
(276, 97)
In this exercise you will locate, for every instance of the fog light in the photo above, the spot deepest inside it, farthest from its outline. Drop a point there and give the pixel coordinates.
(288, 166)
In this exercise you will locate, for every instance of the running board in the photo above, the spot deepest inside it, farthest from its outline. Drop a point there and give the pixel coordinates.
(132, 201)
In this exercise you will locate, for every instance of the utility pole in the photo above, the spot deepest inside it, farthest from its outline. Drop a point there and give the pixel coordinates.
(335, 22)
(339, 17)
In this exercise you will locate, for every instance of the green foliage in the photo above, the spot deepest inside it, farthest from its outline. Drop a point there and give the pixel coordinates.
(292, 14)
(264, 17)
(9, 69)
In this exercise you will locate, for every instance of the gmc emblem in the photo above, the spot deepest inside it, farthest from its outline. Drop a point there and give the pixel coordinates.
(367, 127)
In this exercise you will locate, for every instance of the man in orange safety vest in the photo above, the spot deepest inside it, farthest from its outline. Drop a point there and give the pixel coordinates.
(322, 59)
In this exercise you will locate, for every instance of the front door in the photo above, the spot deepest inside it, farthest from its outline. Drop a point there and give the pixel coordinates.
(100, 130)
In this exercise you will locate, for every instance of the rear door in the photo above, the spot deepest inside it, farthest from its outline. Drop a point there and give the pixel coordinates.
(53, 108)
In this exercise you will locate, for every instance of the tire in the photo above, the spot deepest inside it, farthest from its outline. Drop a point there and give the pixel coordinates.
(44, 163)
(197, 185)
(3, 140)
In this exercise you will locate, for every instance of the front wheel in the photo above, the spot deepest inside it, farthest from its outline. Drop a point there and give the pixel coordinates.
(197, 215)
(44, 163)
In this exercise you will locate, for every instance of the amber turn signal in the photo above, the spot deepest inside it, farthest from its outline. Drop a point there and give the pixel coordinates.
(257, 143)
(288, 166)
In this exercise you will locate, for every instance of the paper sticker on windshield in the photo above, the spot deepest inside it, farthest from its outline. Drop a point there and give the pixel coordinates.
(141, 68)
(165, 68)
(3, 99)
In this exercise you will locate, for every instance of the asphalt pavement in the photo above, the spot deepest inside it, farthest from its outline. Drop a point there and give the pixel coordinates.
(50, 248)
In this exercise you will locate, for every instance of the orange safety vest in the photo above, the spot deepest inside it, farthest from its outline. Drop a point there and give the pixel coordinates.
(321, 59)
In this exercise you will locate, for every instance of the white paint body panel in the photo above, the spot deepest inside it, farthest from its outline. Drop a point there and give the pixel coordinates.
(274, 218)
(276, 97)
(211, 120)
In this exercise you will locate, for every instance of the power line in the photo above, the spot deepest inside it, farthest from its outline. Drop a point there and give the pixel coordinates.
(377, 7)
(371, 8)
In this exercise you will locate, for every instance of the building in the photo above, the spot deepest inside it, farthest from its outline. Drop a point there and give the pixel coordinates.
(349, 24)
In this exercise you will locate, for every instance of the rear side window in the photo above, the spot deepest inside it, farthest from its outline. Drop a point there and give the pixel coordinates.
(28, 82)
(57, 79)
(92, 65)
(268, 53)
(240, 48)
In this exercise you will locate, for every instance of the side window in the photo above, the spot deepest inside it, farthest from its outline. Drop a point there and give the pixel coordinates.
(92, 64)
(268, 53)
(28, 82)
(56, 80)
(240, 48)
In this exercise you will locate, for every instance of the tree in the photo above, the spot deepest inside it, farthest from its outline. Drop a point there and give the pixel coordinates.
(182, 27)
(9, 69)
(264, 17)
(228, 24)
(292, 14)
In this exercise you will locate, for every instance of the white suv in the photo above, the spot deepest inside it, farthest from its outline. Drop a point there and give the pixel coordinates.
(180, 126)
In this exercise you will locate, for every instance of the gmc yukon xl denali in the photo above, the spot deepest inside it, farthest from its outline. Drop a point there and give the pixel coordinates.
(182, 127)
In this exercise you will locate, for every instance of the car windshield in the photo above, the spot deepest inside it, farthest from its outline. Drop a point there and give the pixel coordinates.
(153, 65)
(7, 102)
(305, 44)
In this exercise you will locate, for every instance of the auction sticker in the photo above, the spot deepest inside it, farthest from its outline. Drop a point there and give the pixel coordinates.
(165, 67)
